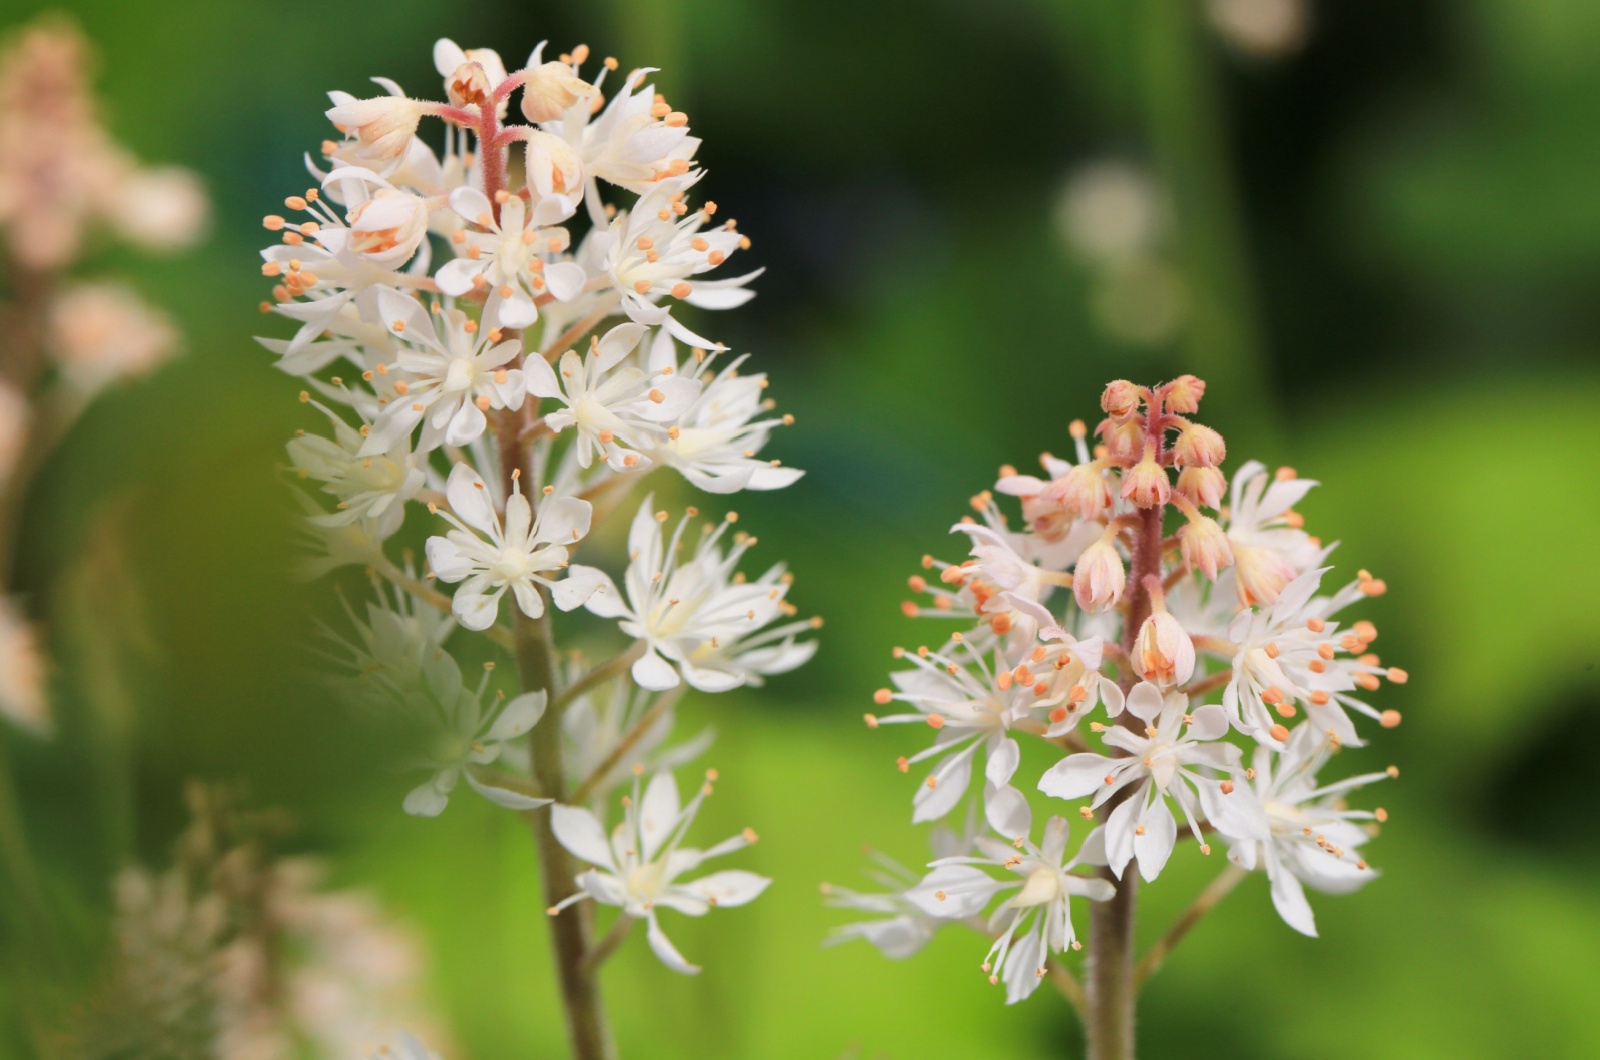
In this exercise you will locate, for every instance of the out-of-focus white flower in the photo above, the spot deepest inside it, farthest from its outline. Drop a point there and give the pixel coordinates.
(454, 371)
(1267, 29)
(522, 556)
(14, 420)
(164, 208)
(1037, 919)
(102, 333)
(639, 869)
(899, 928)
(617, 409)
(696, 616)
(373, 488)
(1111, 210)
(407, 1047)
(22, 672)
(1315, 839)
(1174, 757)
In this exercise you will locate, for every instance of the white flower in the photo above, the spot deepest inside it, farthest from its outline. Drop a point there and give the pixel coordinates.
(1268, 550)
(639, 869)
(617, 409)
(633, 143)
(22, 680)
(1172, 757)
(330, 547)
(384, 125)
(468, 734)
(1315, 840)
(656, 249)
(449, 57)
(696, 616)
(550, 89)
(1163, 653)
(520, 557)
(372, 488)
(1037, 918)
(901, 928)
(715, 440)
(512, 255)
(102, 333)
(454, 372)
(598, 723)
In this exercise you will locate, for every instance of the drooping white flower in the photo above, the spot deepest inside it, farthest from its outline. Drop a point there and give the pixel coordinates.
(372, 488)
(658, 248)
(617, 409)
(455, 370)
(900, 927)
(384, 125)
(1315, 840)
(715, 441)
(1036, 919)
(102, 333)
(639, 870)
(388, 648)
(634, 142)
(522, 556)
(1174, 757)
(1269, 550)
(601, 730)
(512, 254)
(696, 616)
(22, 673)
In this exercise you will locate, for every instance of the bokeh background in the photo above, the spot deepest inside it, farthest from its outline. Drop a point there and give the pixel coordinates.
(1374, 231)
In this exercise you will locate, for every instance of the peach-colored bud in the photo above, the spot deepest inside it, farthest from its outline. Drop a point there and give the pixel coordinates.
(1121, 398)
(384, 125)
(1146, 484)
(1081, 491)
(1199, 446)
(1205, 546)
(1099, 577)
(1203, 487)
(1183, 396)
(553, 167)
(1124, 441)
(1163, 653)
(550, 90)
(469, 86)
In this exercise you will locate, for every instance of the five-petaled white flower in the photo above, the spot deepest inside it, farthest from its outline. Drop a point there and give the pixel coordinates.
(509, 254)
(521, 557)
(453, 374)
(1037, 919)
(1315, 839)
(1172, 757)
(639, 869)
(373, 488)
(696, 616)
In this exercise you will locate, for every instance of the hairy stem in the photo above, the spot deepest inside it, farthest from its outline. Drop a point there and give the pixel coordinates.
(1207, 900)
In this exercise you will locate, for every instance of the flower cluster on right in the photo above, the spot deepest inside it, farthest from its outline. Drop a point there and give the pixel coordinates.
(1198, 678)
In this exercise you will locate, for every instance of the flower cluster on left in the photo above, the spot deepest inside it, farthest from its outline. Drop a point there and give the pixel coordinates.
(489, 319)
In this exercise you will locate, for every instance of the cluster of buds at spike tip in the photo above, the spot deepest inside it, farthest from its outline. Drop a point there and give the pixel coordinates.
(1199, 644)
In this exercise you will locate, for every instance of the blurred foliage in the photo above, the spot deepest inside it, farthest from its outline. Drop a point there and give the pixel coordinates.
(1391, 244)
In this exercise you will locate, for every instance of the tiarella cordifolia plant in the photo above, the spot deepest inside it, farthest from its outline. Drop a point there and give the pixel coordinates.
(1190, 677)
(486, 336)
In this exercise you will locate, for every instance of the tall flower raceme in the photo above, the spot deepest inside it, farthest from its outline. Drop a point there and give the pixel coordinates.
(490, 319)
(1181, 651)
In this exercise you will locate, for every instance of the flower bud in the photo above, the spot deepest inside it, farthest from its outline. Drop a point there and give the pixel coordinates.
(1184, 394)
(388, 228)
(1203, 487)
(1205, 546)
(550, 89)
(1163, 654)
(554, 168)
(1199, 446)
(1124, 441)
(1146, 483)
(1081, 491)
(469, 85)
(1099, 577)
(1121, 398)
(384, 125)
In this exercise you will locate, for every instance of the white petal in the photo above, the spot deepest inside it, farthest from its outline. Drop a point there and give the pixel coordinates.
(658, 813)
(579, 831)
(664, 949)
(1160, 836)
(966, 891)
(1145, 701)
(518, 716)
(730, 888)
(511, 800)
(565, 280)
(577, 587)
(1002, 764)
(563, 520)
(653, 672)
(469, 499)
(1007, 812)
(1076, 776)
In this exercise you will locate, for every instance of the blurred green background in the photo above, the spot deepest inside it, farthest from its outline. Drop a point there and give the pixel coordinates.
(1380, 244)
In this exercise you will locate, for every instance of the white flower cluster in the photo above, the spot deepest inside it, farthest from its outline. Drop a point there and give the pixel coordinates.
(1205, 659)
(65, 187)
(493, 327)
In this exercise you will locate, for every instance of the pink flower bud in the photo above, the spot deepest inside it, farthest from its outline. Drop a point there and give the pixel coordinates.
(384, 125)
(1121, 398)
(1146, 484)
(1183, 396)
(1124, 441)
(1199, 446)
(1163, 654)
(550, 90)
(1099, 577)
(469, 86)
(1203, 487)
(1205, 546)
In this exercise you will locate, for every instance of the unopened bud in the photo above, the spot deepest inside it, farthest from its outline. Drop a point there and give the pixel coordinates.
(384, 125)
(1124, 441)
(1205, 546)
(1199, 446)
(1183, 396)
(1146, 484)
(554, 168)
(1163, 654)
(1121, 398)
(1204, 487)
(469, 86)
(1081, 491)
(1099, 578)
(550, 90)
